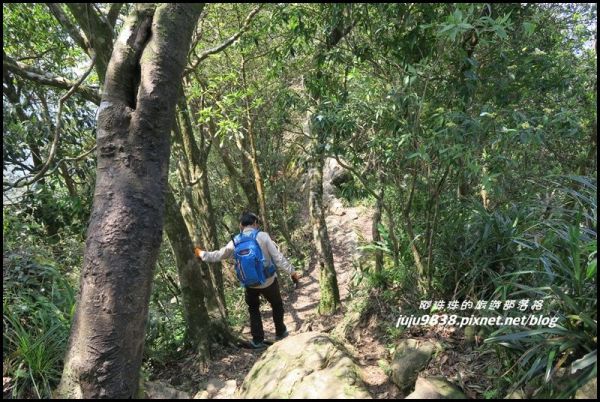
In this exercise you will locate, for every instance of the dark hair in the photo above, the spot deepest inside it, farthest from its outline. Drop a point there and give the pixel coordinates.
(248, 218)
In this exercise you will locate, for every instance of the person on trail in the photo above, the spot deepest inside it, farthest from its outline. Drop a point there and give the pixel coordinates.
(256, 281)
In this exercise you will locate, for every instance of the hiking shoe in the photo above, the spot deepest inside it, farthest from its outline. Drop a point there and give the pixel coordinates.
(257, 345)
(280, 337)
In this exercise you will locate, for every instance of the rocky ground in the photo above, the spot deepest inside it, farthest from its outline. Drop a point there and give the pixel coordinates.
(440, 354)
(348, 228)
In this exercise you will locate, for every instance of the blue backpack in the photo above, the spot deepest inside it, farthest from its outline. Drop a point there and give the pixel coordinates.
(249, 262)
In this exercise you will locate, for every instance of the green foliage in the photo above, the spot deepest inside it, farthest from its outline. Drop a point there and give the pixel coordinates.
(38, 304)
(238, 310)
(557, 255)
(456, 111)
(165, 331)
(353, 192)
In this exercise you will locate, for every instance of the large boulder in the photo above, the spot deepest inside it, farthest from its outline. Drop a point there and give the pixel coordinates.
(334, 173)
(435, 388)
(411, 356)
(307, 365)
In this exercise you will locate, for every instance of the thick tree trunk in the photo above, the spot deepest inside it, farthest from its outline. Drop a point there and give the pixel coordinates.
(191, 211)
(124, 235)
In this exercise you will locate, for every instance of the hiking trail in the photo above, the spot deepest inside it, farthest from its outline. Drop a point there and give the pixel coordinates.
(348, 228)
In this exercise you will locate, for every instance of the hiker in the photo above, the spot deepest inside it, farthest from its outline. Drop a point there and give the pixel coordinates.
(256, 281)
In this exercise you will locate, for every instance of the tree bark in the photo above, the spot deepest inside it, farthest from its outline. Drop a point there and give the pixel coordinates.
(135, 117)
(204, 325)
(202, 223)
(330, 294)
(253, 158)
(244, 181)
(421, 270)
(192, 279)
(375, 227)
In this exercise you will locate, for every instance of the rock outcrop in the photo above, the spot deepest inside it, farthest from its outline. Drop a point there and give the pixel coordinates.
(307, 365)
(435, 388)
(411, 356)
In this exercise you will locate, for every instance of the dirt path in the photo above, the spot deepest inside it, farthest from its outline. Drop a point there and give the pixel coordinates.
(345, 229)
(348, 228)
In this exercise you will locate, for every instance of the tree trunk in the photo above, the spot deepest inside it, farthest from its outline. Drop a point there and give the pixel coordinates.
(330, 294)
(192, 279)
(125, 231)
(203, 224)
(483, 192)
(244, 181)
(204, 323)
(286, 232)
(421, 270)
(260, 188)
(253, 158)
(375, 227)
(191, 211)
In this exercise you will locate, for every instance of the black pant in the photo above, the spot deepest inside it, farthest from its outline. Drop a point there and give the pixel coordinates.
(273, 296)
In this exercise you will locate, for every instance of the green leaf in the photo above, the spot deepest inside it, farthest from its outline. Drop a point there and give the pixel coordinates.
(591, 269)
(584, 362)
(549, 364)
(529, 28)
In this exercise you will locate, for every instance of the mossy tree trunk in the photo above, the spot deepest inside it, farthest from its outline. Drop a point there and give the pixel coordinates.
(375, 228)
(330, 294)
(318, 88)
(193, 277)
(197, 199)
(204, 325)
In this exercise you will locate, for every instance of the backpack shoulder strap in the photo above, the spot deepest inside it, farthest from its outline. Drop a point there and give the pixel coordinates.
(254, 233)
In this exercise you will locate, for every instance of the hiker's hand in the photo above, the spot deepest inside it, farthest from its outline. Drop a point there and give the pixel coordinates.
(295, 279)
(198, 252)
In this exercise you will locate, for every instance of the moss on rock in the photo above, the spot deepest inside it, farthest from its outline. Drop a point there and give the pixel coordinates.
(307, 365)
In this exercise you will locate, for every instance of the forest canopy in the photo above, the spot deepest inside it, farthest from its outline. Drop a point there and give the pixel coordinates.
(395, 153)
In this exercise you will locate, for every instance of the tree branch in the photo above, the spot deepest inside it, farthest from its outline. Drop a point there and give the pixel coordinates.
(54, 146)
(97, 32)
(113, 14)
(225, 43)
(75, 33)
(71, 159)
(49, 79)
